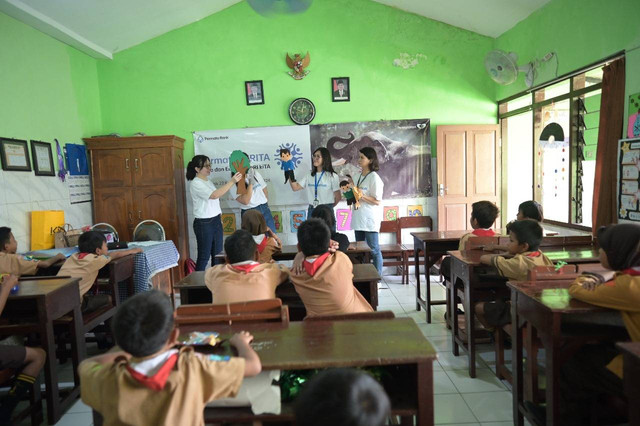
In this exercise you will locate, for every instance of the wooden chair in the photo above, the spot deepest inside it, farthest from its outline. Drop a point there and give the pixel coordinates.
(35, 399)
(413, 222)
(395, 251)
(257, 311)
(357, 316)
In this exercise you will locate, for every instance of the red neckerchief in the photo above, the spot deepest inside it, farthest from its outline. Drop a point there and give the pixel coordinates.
(263, 244)
(83, 255)
(534, 254)
(245, 268)
(635, 271)
(158, 380)
(483, 232)
(312, 267)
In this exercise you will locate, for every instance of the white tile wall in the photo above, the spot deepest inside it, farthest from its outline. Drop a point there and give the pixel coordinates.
(23, 192)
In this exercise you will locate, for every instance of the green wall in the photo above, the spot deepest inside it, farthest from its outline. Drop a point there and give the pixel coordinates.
(580, 32)
(192, 78)
(49, 90)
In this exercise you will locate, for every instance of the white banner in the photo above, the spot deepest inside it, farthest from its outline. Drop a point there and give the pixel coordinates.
(262, 145)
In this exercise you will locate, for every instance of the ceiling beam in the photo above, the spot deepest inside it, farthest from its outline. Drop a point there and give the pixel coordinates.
(25, 13)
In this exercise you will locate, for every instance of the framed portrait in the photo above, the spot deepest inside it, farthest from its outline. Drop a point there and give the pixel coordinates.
(42, 158)
(14, 155)
(340, 89)
(254, 92)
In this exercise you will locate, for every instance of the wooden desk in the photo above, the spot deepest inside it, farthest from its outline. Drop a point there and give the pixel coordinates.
(631, 352)
(358, 252)
(35, 306)
(120, 271)
(365, 279)
(559, 321)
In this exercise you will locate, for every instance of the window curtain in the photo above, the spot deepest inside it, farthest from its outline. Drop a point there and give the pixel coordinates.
(611, 126)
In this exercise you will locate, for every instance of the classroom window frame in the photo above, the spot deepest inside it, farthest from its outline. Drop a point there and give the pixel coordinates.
(572, 95)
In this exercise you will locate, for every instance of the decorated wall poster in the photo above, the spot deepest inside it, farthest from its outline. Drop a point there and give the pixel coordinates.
(403, 148)
(297, 217)
(277, 219)
(415, 210)
(629, 179)
(390, 213)
(633, 122)
(228, 223)
(343, 219)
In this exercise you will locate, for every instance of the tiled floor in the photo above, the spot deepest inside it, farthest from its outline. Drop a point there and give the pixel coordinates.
(459, 400)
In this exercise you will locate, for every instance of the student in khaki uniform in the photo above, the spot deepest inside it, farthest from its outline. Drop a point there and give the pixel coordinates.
(267, 241)
(525, 237)
(242, 278)
(326, 285)
(15, 264)
(150, 382)
(85, 265)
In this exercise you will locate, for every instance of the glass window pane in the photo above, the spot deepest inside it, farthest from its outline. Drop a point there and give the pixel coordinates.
(587, 79)
(558, 89)
(517, 134)
(591, 116)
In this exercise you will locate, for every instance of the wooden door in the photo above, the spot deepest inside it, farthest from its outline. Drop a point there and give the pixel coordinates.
(157, 203)
(468, 161)
(115, 207)
(111, 168)
(152, 166)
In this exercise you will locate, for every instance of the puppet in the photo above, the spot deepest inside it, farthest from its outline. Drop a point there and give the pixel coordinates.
(287, 165)
(351, 193)
(239, 162)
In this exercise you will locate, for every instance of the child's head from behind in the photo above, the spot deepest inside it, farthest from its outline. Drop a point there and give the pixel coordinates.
(93, 242)
(342, 397)
(483, 214)
(524, 235)
(325, 213)
(530, 210)
(143, 324)
(253, 222)
(240, 247)
(313, 237)
(8, 243)
(619, 246)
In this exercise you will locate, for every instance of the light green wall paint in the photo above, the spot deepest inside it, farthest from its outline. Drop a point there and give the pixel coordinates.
(192, 78)
(49, 90)
(580, 32)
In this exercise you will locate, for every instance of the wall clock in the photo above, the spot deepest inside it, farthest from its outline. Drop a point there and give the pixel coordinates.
(302, 111)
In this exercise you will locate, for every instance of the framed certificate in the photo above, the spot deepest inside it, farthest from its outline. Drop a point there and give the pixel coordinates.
(14, 155)
(42, 158)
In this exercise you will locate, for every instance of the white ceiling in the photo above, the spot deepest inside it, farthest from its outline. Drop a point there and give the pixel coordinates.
(103, 27)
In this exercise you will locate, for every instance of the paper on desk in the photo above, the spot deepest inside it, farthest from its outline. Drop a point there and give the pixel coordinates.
(256, 392)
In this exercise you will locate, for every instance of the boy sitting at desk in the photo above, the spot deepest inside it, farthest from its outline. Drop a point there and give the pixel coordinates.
(150, 382)
(29, 360)
(242, 278)
(85, 265)
(326, 285)
(525, 237)
(16, 264)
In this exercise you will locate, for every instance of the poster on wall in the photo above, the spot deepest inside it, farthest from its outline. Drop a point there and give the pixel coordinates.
(403, 148)
(633, 121)
(262, 145)
(629, 179)
(414, 210)
(228, 223)
(390, 213)
(277, 219)
(343, 219)
(297, 217)
(78, 179)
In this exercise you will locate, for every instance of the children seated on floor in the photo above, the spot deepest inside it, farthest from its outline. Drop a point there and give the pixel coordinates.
(326, 284)
(267, 241)
(342, 397)
(150, 382)
(27, 361)
(525, 237)
(16, 264)
(327, 215)
(242, 278)
(85, 265)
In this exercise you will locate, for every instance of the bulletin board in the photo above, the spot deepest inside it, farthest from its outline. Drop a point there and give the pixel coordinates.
(629, 179)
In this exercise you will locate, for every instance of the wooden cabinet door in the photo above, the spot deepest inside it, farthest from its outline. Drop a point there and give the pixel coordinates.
(111, 167)
(115, 207)
(157, 203)
(152, 166)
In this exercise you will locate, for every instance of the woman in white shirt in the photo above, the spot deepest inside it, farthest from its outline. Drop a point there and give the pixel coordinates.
(323, 185)
(255, 198)
(206, 209)
(366, 220)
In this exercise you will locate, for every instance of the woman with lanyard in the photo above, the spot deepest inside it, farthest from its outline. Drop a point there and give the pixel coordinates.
(323, 185)
(365, 221)
(206, 209)
(255, 198)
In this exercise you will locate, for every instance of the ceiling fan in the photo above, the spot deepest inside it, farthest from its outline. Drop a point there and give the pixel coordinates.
(279, 7)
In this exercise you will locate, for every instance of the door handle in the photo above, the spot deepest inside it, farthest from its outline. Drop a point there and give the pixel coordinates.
(442, 189)
(135, 163)
(126, 163)
(130, 217)
(140, 214)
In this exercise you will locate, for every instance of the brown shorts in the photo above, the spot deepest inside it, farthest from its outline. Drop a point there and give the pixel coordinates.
(498, 313)
(12, 356)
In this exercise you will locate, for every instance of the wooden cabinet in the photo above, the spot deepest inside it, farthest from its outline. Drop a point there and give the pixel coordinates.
(141, 178)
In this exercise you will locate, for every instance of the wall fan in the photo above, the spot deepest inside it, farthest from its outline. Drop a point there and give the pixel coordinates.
(503, 67)
(279, 7)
